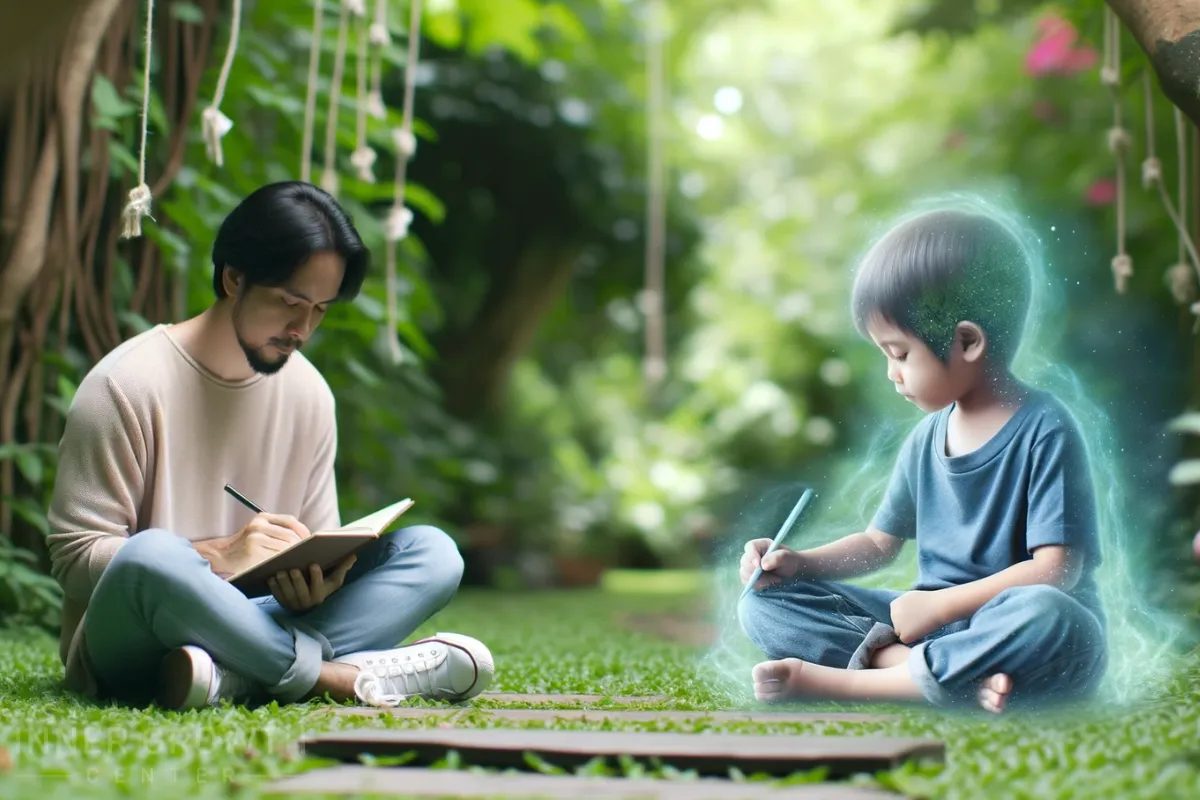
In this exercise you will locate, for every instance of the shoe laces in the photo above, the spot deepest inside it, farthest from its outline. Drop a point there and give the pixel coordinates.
(391, 685)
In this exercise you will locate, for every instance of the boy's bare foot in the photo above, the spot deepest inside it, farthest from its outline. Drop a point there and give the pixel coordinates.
(993, 694)
(890, 656)
(793, 679)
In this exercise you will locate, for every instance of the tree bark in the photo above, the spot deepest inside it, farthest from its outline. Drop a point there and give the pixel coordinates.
(1169, 32)
(474, 366)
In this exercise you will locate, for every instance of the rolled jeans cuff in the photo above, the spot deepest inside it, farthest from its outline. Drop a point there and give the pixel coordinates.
(302, 675)
(918, 668)
(878, 637)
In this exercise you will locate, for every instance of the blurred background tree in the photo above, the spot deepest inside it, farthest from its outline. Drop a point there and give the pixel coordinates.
(519, 417)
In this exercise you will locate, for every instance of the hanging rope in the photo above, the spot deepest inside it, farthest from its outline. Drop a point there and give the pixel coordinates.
(654, 366)
(329, 176)
(310, 102)
(1179, 275)
(399, 218)
(380, 40)
(1118, 141)
(139, 197)
(214, 125)
(363, 157)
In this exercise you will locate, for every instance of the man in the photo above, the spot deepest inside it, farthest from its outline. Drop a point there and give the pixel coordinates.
(142, 532)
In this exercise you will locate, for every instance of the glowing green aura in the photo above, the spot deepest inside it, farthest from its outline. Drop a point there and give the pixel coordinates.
(1141, 638)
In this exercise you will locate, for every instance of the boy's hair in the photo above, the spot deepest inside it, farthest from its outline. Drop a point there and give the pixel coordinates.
(279, 227)
(940, 268)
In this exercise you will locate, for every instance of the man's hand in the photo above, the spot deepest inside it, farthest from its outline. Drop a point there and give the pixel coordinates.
(917, 614)
(263, 536)
(778, 566)
(295, 594)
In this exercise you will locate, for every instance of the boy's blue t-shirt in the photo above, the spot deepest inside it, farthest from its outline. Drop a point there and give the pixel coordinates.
(979, 513)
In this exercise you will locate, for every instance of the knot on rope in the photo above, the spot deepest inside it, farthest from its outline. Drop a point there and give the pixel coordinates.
(1151, 171)
(214, 125)
(356, 7)
(1179, 280)
(363, 160)
(1122, 267)
(329, 181)
(406, 143)
(378, 34)
(137, 207)
(375, 106)
(1110, 77)
(1118, 138)
(395, 227)
(654, 369)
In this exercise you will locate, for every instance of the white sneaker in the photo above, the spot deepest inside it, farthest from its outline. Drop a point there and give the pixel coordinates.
(447, 666)
(189, 678)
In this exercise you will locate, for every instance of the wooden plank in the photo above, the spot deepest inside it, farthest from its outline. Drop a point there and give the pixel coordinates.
(350, 779)
(708, 754)
(570, 699)
(610, 715)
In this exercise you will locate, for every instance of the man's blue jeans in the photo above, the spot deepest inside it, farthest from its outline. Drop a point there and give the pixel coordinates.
(158, 593)
(1050, 644)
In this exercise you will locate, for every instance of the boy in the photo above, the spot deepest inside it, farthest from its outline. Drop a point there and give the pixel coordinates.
(992, 483)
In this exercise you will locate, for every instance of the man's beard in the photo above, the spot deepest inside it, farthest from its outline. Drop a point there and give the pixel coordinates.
(259, 362)
(256, 356)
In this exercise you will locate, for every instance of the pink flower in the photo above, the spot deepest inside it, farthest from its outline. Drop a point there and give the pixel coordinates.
(1055, 52)
(1102, 192)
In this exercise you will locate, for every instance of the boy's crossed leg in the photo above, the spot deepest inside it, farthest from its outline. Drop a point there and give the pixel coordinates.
(834, 640)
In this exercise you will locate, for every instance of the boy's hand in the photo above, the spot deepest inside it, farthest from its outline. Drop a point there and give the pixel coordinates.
(915, 615)
(296, 594)
(780, 565)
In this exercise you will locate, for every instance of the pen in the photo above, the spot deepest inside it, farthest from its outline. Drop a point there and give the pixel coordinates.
(241, 498)
(791, 520)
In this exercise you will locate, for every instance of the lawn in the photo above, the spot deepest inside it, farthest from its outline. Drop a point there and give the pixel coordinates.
(56, 745)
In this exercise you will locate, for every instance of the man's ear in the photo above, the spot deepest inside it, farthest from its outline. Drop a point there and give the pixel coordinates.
(972, 340)
(231, 280)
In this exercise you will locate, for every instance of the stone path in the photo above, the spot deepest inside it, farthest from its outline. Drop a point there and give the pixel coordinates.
(707, 754)
(358, 780)
(571, 699)
(472, 714)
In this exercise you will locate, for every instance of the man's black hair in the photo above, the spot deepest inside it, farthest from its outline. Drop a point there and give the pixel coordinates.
(278, 228)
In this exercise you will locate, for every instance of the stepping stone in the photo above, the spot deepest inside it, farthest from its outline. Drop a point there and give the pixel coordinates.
(708, 754)
(570, 699)
(682, 628)
(360, 780)
(603, 715)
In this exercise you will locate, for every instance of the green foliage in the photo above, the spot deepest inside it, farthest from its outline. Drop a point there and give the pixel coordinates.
(61, 746)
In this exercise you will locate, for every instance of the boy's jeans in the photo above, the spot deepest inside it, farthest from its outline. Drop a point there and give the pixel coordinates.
(1051, 646)
(158, 594)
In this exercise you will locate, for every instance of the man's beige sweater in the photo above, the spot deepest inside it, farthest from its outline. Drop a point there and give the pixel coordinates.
(151, 439)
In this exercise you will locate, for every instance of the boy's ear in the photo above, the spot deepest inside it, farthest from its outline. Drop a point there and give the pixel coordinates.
(973, 341)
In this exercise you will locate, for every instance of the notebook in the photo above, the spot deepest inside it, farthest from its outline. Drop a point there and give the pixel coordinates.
(327, 548)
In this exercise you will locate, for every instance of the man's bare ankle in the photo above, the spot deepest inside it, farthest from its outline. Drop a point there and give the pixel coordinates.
(335, 680)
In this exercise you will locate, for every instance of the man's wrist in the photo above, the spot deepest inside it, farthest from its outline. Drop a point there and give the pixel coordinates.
(212, 552)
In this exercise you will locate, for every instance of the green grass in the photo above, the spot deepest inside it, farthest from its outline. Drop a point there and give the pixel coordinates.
(60, 746)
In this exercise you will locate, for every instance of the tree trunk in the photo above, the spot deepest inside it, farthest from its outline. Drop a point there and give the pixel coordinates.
(474, 366)
(1169, 32)
(59, 224)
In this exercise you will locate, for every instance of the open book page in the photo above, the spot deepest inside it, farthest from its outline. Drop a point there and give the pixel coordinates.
(378, 521)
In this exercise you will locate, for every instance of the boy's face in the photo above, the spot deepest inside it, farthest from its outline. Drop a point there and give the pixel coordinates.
(918, 374)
